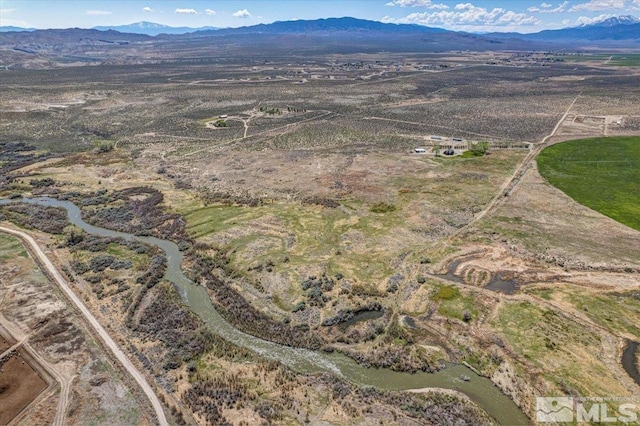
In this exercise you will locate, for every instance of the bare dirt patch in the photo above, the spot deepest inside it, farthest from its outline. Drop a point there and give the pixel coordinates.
(538, 221)
(19, 385)
(5, 343)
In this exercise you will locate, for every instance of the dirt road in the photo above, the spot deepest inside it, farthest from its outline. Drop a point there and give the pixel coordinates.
(63, 379)
(515, 178)
(511, 183)
(232, 141)
(108, 341)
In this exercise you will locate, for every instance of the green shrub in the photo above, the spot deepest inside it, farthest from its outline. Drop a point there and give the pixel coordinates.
(446, 292)
(299, 306)
(104, 146)
(382, 208)
(479, 149)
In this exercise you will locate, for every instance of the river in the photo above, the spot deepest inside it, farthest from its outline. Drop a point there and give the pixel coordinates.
(479, 389)
(629, 362)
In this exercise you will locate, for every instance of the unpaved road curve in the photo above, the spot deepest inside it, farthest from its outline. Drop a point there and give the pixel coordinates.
(65, 385)
(120, 356)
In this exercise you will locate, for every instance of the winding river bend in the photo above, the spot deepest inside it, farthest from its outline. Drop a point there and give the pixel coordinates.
(479, 389)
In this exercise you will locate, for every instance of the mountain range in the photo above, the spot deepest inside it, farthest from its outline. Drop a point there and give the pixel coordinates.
(338, 35)
(614, 28)
(151, 29)
(614, 21)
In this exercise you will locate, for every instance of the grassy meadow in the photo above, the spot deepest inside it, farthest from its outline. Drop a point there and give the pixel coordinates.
(600, 173)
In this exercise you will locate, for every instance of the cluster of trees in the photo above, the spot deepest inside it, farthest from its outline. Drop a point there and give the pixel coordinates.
(479, 149)
(52, 220)
(152, 276)
(139, 213)
(15, 155)
(167, 319)
(239, 312)
(316, 287)
(270, 111)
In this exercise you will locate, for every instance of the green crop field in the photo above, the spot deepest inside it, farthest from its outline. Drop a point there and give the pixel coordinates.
(628, 60)
(600, 173)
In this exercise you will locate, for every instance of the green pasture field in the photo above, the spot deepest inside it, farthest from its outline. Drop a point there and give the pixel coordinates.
(627, 60)
(600, 173)
(618, 59)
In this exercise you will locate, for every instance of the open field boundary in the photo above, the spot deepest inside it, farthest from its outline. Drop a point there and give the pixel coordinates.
(43, 369)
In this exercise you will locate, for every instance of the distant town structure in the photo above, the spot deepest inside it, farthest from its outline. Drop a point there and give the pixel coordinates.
(420, 150)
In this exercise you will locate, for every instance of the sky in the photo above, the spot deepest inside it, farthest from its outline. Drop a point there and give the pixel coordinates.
(523, 16)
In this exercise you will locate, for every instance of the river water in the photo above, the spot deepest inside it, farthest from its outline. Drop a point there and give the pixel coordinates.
(479, 389)
(629, 362)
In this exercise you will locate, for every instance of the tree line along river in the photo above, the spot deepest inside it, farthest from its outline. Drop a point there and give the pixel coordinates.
(479, 389)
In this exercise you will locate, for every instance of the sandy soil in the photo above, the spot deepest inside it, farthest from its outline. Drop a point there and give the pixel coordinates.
(5, 343)
(19, 385)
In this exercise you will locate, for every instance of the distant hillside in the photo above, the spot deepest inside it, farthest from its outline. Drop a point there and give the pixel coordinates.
(151, 28)
(69, 36)
(332, 25)
(324, 36)
(341, 35)
(616, 29)
(351, 35)
(14, 29)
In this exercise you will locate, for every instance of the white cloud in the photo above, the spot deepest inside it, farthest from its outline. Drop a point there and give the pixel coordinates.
(428, 4)
(594, 5)
(8, 22)
(585, 20)
(242, 14)
(187, 11)
(469, 17)
(147, 9)
(545, 8)
(210, 11)
(98, 12)
(512, 18)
